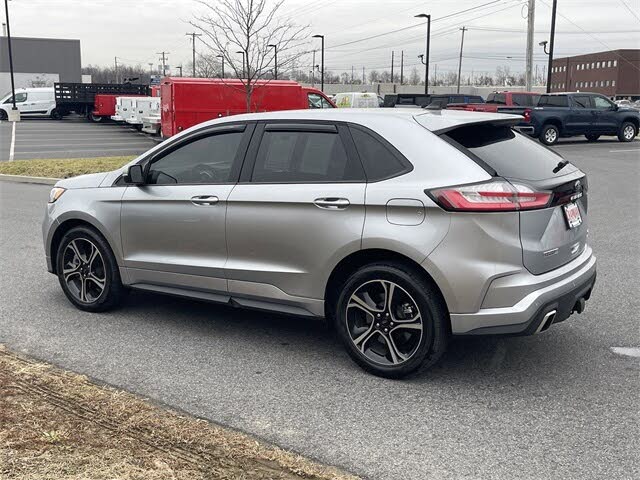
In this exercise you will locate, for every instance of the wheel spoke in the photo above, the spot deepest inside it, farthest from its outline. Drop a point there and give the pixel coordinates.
(362, 340)
(396, 356)
(83, 289)
(100, 282)
(412, 325)
(389, 289)
(362, 304)
(94, 254)
(76, 252)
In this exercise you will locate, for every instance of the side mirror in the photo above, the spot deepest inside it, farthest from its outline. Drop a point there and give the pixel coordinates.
(134, 175)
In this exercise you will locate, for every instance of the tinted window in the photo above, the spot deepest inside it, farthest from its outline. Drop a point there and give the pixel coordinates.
(581, 101)
(303, 157)
(379, 162)
(510, 154)
(206, 160)
(20, 97)
(318, 101)
(553, 101)
(524, 100)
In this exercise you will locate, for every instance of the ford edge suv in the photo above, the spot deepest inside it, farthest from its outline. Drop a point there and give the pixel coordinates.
(402, 228)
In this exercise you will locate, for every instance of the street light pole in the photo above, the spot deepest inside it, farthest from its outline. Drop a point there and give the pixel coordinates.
(275, 60)
(464, 29)
(426, 63)
(243, 62)
(222, 57)
(551, 42)
(13, 86)
(321, 62)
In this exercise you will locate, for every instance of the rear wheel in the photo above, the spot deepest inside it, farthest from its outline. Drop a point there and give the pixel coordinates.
(592, 137)
(87, 270)
(549, 135)
(56, 114)
(627, 132)
(3, 115)
(95, 118)
(391, 320)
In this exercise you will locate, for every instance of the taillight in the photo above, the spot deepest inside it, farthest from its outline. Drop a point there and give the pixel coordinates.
(494, 196)
(527, 114)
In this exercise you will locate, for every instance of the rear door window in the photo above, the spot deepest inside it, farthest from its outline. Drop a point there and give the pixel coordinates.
(582, 101)
(553, 101)
(499, 98)
(510, 154)
(522, 100)
(304, 157)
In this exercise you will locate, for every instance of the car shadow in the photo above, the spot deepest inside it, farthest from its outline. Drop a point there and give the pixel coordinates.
(469, 360)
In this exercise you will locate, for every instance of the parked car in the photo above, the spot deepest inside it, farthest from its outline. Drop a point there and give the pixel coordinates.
(143, 107)
(423, 100)
(81, 98)
(189, 101)
(571, 114)
(401, 227)
(501, 102)
(32, 102)
(356, 100)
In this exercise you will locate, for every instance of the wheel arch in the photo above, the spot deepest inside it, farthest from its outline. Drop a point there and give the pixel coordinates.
(360, 258)
(553, 121)
(68, 224)
(633, 120)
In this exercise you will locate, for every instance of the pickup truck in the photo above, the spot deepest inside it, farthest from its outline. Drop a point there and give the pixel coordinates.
(571, 114)
(503, 102)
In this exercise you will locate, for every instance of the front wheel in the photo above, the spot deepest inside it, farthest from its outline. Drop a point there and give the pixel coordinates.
(391, 320)
(549, 135)
(95, 118)
(592, 137)
(628, 132)
(87, 270)
(3, 115)
(56, 114)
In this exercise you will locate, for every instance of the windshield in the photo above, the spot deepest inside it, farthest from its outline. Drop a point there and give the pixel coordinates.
(509, 153)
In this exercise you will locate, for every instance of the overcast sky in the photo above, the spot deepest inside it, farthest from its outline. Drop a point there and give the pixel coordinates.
(134, 30)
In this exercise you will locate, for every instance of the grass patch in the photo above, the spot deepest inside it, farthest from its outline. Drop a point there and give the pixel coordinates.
(63, 167)
(56, 425)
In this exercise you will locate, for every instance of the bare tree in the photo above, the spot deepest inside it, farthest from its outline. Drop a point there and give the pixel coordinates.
(207, 66)
(250, 27)
(414, 76)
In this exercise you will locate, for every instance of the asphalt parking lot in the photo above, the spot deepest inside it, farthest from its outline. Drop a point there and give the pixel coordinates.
(72, 137)
(560, 405)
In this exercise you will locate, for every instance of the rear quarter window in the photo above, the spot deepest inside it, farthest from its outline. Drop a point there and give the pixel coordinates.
(553, 101)
(510, 154)
(379, 160)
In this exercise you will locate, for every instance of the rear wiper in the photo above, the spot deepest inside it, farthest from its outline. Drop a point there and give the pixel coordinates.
(560, 166)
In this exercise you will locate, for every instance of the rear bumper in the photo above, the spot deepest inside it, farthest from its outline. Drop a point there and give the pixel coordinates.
(527, 129)
(573, 282)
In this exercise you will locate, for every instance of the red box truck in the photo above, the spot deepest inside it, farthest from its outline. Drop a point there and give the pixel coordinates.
(189, 101)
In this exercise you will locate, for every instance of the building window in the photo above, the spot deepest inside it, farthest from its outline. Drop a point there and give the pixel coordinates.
(607, 83)
(613, 82)
(615, 63)
(563, 85)
(597, 64)
(609, 64)
(602, 83)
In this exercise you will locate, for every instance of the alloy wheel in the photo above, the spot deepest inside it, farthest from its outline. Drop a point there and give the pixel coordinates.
(550, 135)
(384, 322)
(629, 132)
(84, 270)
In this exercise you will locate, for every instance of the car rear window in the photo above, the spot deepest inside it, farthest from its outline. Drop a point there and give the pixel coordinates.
(510, 154)
(522, 100)
(553, 101)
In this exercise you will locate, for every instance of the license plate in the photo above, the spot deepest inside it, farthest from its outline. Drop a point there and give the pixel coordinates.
(572, 214)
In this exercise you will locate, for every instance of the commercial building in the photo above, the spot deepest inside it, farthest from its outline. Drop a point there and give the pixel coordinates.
(615, 73)
(39, 62)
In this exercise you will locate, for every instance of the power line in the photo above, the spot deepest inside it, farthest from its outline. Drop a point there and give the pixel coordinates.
(630, 11)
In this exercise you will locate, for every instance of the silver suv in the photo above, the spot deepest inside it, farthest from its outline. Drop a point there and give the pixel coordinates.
(402, 227)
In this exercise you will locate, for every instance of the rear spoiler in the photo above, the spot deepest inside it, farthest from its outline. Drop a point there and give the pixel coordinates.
(497, 121)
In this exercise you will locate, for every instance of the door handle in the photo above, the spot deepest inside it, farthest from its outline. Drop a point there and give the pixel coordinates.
(332, 203)
(204, 200)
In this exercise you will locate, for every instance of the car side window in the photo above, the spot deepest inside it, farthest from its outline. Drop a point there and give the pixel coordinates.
(304, 157)
(499, 98)
(207, 160)
(318, 101)
(582, 101)
(378, 160)
(553, 101)
(20, 98)
(602, 103)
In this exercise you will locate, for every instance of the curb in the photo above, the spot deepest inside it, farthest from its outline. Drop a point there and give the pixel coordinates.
(27, 179)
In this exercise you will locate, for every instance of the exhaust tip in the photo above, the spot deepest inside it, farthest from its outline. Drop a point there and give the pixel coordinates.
(546, 322)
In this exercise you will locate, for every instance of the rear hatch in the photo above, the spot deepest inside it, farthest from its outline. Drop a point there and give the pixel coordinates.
(551, 236)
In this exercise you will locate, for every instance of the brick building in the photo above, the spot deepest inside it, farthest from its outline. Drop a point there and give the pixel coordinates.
(615, 73)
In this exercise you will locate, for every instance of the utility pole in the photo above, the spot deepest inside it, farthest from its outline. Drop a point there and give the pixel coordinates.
(275, 60)
(551, 44)
(321, 61)
(221, 57)
(363, 77)
(115, 63)
(530, 27)
(193, 36)
(313, 71)
(426, 63)
(392, 53)
(179, 67)
(464, 29)
(401, 66)
(351, 74)
(164, 68)
(15, 113)
(150, 69)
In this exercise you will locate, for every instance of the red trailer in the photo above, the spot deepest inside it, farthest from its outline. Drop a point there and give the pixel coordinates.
(105, 105)
(189, 101)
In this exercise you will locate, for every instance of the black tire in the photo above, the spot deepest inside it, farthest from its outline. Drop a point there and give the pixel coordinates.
(549, 134)
(422, 348)
(3, 115)
(95, 118)
(627, 132)
(104, 268)
(592, 137)
(56, 114)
